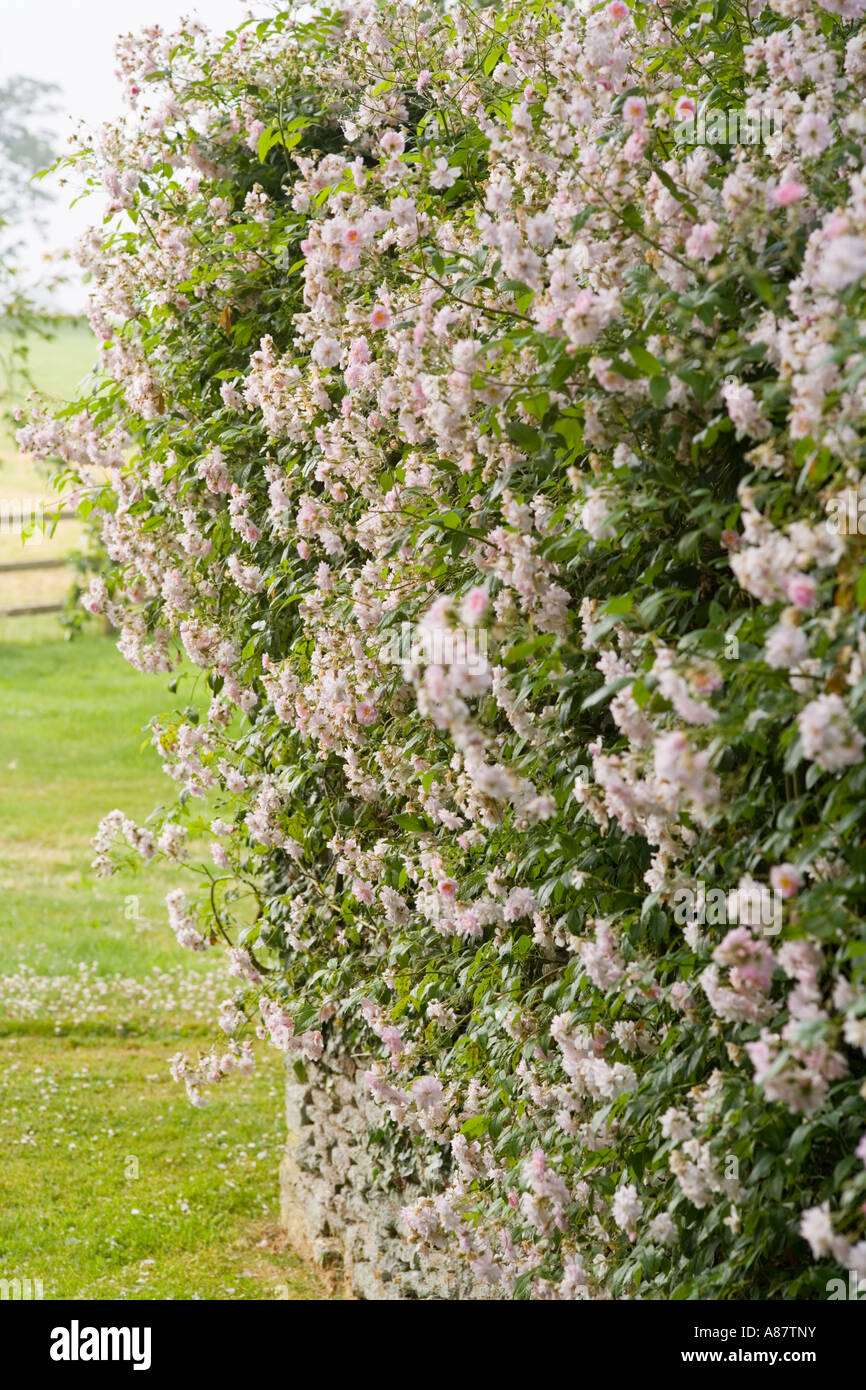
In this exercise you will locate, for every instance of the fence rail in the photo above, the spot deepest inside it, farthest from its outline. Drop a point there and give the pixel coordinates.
(51, 516)
(19, 610)
(22, 610)
(33, 565)
(32, 608)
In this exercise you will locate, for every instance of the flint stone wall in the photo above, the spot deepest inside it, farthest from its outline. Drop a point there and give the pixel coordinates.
(338, 1209)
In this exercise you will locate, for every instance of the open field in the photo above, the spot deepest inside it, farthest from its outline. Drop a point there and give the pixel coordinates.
(56, 363)
(111, 1184)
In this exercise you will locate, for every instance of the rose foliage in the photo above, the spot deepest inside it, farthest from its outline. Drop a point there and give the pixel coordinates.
(483, 441)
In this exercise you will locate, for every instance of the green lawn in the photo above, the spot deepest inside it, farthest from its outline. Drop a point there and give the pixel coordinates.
(56, 364)
(72, 717)
(111, 1184)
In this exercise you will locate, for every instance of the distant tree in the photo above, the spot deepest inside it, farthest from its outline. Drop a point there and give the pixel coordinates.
(27, 143)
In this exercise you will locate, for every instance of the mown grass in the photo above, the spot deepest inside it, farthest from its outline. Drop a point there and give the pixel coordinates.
(73, 746)
(111, 1184)
(55, 362)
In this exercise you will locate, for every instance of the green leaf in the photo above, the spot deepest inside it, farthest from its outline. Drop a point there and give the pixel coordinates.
(528, 438)
(606, 691)
(474, 1127)
(622, 603)
(644, 359)
(763, 286)
(632, 218)
(269, 137)
(570, 428)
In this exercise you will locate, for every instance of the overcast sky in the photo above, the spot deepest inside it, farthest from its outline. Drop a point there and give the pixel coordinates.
(71, 43)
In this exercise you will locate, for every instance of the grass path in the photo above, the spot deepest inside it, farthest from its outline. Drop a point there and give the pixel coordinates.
(111, 1184)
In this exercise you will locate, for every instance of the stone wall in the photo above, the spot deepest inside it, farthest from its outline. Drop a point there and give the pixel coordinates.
(341, 1204)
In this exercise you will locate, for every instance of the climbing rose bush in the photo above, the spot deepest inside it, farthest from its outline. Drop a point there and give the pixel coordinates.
(487, 448)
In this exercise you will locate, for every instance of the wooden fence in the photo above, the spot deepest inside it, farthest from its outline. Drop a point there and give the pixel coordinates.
(22, 610)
